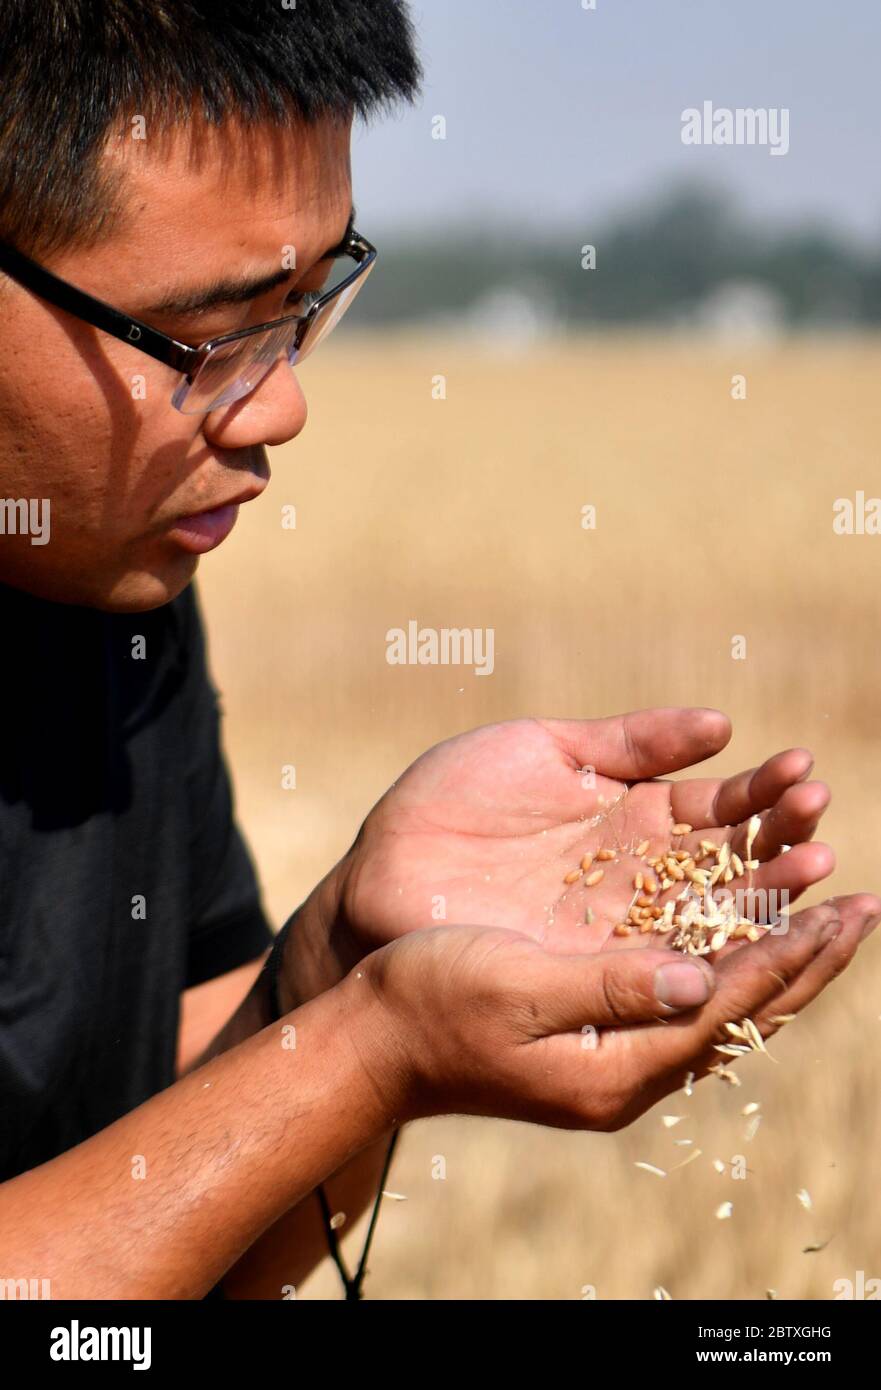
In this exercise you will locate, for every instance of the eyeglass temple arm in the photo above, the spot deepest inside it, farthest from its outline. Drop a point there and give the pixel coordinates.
(94, 311)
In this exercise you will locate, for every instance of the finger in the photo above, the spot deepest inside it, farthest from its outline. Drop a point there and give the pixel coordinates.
(776, 976)
(746, 981)
(644, 743)
(783, 880)
(713, 801)
(859, 915)
(792, 820)
(776, 886)
(772, 978)
(614, 988)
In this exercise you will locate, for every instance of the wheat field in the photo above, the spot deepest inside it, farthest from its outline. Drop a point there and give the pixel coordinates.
(713, 520)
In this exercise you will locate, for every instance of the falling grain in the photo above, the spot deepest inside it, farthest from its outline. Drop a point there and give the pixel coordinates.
(650, 1168)
(695, 1153)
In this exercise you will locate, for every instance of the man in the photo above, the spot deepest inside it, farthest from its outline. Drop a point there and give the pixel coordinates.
(172, 176)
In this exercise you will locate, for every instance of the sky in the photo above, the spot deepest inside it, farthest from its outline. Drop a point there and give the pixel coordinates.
(558, 115)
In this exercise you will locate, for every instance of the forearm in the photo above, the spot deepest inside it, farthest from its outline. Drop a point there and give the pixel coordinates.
(292, 1248)
(225, 1153)
(313, 963)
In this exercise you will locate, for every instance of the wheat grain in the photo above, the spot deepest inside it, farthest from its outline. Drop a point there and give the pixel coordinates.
(752, 1127)
(725, 1074)
(650, 1168)
(754, 1036)
(689, 1158)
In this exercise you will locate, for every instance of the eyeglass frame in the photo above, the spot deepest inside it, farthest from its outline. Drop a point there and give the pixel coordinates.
(181, 357)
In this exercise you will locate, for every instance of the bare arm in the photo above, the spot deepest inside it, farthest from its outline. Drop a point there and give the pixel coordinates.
(205, 1009)
(447, 1020)
(227, 1151)
(214, 1017)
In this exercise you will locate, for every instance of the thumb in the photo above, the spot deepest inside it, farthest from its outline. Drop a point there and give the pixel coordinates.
(644, 743)
(617, 987)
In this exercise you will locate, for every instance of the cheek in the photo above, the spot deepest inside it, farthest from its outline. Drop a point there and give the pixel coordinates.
(89, 424)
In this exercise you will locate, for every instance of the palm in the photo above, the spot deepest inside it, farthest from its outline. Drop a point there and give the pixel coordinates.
(483, 829)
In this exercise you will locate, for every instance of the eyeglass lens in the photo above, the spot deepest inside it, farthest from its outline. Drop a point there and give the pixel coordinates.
(232, 370)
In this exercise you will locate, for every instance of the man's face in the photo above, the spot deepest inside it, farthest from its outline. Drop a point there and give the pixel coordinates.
(87, 421)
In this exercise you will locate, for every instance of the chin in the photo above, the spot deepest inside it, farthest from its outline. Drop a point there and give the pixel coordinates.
(140, 590)
(134, 590)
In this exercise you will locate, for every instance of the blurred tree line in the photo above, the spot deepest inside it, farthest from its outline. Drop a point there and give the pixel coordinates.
(655, 264)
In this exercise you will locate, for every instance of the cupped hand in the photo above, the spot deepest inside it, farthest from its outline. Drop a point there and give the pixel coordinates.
(485, 827)
(484, 1021)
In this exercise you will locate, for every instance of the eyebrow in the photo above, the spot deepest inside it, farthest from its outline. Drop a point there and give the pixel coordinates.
(234, 290)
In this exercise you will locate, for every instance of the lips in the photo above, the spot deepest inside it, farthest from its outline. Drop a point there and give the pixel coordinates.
(205, 530)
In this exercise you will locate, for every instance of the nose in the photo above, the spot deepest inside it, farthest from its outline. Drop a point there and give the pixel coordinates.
(272, 414)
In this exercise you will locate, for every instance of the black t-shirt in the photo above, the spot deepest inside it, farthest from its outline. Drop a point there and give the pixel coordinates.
(123, 878)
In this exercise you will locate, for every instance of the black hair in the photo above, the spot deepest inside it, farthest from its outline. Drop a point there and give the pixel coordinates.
(72, 70)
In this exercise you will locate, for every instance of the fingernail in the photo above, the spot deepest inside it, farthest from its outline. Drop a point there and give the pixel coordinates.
(681, 986)
(870, 924)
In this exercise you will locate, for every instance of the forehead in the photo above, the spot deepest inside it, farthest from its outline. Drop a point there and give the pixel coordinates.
(201, 197)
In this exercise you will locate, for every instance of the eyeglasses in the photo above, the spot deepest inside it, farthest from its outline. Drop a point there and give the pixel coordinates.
(224, 369)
